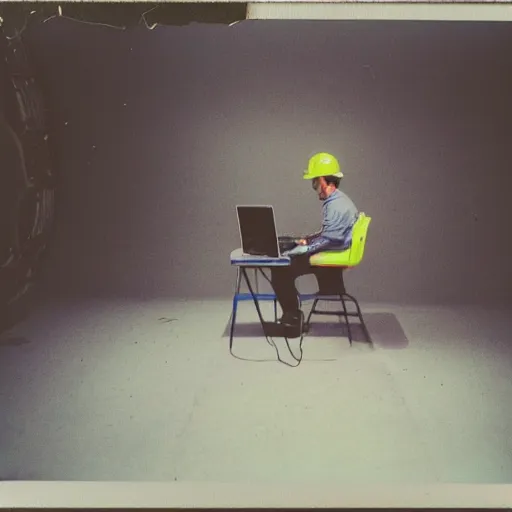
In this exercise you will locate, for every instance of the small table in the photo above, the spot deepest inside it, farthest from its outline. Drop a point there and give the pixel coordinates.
(245, 262)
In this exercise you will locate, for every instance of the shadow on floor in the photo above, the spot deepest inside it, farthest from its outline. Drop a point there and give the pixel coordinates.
(384, 328)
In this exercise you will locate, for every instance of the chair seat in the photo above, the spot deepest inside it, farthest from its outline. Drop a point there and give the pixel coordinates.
(331, 259)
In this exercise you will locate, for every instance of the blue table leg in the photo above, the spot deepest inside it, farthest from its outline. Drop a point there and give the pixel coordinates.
(235, 307)
(256, 303)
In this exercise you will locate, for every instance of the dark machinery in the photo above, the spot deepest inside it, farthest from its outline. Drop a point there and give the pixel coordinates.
(27, 177)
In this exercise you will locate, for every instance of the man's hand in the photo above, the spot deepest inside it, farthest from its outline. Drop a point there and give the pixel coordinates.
(300, 249)
(302, 241)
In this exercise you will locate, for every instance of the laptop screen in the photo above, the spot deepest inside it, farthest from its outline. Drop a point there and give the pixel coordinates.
(258, 230)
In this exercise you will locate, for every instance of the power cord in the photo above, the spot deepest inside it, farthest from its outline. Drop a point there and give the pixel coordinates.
(269, 339)
(299, 360)
(272, 343)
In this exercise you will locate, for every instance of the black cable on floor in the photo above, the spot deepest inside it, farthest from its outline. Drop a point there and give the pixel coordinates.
(271, 342)
(299, 360)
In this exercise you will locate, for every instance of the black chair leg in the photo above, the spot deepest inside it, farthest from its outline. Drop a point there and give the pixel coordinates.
(349, 330)
(315, 302)
(343, 295)
(342, 292)
(360, 316)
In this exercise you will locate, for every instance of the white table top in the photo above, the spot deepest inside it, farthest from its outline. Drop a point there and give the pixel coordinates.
(244, 260)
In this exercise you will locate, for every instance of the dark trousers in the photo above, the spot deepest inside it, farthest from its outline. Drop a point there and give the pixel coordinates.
(283, 280)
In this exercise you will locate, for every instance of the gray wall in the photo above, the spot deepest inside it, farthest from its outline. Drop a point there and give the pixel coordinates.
(163, 132)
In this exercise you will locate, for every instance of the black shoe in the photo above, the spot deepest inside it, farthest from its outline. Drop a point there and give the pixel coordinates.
(292, 323)
(291, 318)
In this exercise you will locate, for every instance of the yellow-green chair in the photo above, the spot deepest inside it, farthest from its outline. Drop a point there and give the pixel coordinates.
(339, 261)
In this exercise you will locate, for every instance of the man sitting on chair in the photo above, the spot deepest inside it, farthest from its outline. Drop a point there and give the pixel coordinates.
(339, 217)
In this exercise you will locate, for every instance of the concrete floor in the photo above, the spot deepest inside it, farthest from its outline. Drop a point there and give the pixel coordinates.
(147, 390)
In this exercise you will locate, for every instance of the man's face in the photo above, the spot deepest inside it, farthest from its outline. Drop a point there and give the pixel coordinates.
(321, 188)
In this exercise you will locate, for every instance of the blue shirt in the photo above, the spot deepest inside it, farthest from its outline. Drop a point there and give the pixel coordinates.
(339, 217)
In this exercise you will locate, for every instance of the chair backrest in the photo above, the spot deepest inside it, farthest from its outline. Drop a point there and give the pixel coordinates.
(359, 233)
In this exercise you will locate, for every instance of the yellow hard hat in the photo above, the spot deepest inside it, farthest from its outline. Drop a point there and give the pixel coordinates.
(322, 164)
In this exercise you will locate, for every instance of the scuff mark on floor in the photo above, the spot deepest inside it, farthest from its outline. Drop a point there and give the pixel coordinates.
(166, 320)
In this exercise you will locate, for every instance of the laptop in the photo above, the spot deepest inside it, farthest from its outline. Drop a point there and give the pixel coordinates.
(258, 232)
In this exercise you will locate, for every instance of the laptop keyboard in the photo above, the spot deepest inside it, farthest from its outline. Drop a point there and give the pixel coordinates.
(286, 243)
